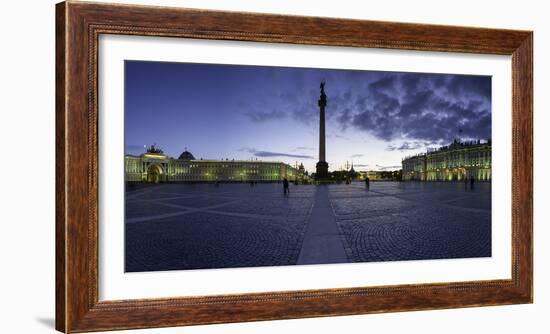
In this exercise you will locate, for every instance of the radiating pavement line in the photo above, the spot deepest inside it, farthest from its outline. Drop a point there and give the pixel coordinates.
(432, 204)
(322, 242)
(175, 214)
(210, 209)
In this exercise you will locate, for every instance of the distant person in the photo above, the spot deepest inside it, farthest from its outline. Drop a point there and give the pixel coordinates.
(472, 183)
(465, 183)
(367, 183)
(286, 190)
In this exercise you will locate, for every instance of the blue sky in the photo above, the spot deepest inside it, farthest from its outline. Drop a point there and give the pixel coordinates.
(270, 113)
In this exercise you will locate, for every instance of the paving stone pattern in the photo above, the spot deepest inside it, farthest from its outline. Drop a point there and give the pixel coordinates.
(199, 226)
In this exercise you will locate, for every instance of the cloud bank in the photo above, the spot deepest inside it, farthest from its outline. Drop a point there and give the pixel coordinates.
(421, 109)
(268, 154)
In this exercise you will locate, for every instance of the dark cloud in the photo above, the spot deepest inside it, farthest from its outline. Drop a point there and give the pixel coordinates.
(304, 109)
(388, 167)
(430, 107)
(406, 146)
(459, 85)
(264, 116)
(388, 105)
(304, 148)
(384, 85)
(267, 154)
(344, 118)
(376, 167)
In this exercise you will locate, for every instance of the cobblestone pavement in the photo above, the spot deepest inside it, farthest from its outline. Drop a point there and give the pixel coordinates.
(413, 221)
(194, 226)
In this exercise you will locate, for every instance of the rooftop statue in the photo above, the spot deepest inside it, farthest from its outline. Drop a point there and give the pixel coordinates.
(153, 149)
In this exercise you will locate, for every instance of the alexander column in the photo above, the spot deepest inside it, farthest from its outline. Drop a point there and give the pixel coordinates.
(322, 166)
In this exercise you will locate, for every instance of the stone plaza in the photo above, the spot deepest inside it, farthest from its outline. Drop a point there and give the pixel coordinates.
(175, 226)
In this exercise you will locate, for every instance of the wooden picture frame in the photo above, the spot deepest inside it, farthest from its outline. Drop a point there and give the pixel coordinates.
(78, 26)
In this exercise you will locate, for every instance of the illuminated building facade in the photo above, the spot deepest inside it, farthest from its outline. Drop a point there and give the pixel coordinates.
(154, 166)
(377, 175)
(414, 168)
(455, 162)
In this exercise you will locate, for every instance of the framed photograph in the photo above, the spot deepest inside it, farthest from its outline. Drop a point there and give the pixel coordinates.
(223, 167)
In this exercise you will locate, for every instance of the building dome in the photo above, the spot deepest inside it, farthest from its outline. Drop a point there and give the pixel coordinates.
(186, 155)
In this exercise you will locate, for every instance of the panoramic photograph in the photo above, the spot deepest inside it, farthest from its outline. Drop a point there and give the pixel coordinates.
(230, 166)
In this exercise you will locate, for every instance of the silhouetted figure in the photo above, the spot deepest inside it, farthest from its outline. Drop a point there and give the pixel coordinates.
(286, 190)
(465, 183)
(472, 183)
(367, 183)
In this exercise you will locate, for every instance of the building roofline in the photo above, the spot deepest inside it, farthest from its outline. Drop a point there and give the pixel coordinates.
(223, 161)
(449, 148)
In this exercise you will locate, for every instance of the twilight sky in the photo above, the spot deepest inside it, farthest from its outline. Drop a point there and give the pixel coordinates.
(270, 113)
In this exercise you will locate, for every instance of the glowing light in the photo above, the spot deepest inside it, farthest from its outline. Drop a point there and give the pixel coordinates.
(154, 156)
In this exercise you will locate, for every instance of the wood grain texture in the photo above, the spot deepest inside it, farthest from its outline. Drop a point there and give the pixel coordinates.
(60, 135)
(78, 27)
